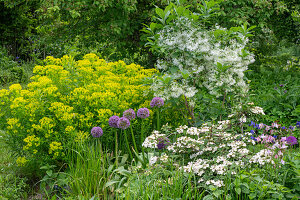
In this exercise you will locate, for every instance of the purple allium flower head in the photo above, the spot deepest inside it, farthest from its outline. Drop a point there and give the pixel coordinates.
(143, 113)
(113, 121)
(129, 114)
(291, 140)
(298, 124)
(96, 132)
(157, 102)
(123, 123)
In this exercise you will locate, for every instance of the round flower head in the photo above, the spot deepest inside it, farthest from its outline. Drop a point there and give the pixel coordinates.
(123, 123)
(291, 140)
(96, 132)
(113, 121)
(143, 113)
(157, 102)
(129, 114)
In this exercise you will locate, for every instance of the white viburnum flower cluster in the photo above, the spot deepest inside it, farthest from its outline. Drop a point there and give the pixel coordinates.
(257, 110)
(152, 140)
(196, 51)
(209, 152)
(263, 157)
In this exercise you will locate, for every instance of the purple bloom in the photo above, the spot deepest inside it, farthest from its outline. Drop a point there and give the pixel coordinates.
(274, 125)
(291, 140)
(283, 127)
(129, 114)
(261, 125)
(253, 138)
(275, 136)
(163, 142)
(298, 124)
(275, 88)
(157, 102)
(123, 123)
(281, 85)
(257, 126)
(252, 124)
(113, 121)
(143, 113)
(96, 132)
(252, 131)
(285, 91)
(292, 128)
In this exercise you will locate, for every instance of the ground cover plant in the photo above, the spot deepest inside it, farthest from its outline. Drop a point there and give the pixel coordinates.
(217, 117)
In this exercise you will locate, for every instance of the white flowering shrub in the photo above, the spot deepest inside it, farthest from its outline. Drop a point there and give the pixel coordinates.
(194, 57)
(213, 153)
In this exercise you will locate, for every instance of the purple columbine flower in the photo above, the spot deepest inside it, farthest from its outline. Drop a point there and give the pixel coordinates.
(113, 121)
(291, 140)
(261, 125)
(129, 114)
(123, 123)
(157, 102)
(96, 132)
(298, 124)
(253, 138)
(252, 124)
(143, 113)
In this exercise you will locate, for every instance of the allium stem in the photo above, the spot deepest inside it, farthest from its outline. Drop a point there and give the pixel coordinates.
(158, 122)
(127, 144)
(133, 139)
(116, 147)
(142, 140)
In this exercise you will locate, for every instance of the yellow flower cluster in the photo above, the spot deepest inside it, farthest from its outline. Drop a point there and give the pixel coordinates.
(65, 99)
(32, 142)
(55, 148)
(21, 161)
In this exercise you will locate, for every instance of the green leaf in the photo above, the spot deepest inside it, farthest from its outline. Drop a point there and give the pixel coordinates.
(160, 12)
(238, 190)
(49, 172)
(109, 183)
(208, 197)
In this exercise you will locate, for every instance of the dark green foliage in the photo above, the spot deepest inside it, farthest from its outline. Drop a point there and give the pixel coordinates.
(277, 90)
(10, 70)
